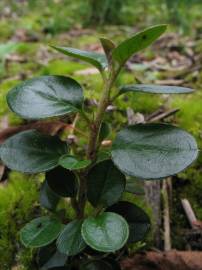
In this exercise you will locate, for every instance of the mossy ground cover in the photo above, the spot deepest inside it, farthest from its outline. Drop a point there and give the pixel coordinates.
(46, 24)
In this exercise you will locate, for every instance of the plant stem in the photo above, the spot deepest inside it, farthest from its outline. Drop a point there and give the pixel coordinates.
(104, 101)
(93, 140)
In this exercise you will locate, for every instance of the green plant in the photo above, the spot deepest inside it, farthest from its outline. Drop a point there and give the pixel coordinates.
(85, 173)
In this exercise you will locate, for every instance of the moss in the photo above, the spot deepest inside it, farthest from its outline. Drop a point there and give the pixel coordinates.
(62, 67)
(18, 205)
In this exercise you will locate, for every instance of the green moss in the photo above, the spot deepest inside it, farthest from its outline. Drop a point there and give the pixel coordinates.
(18, 205)
(62, 67)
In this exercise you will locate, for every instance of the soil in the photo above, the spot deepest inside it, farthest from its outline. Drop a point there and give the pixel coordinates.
(172, 260)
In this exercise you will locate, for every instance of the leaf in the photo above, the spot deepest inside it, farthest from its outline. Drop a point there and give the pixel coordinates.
(113, 263)
(48, 257)
(134, 186)
(153, 151)
(72, 163)
(48, 198)
(105, 184)
(60, 268)
(106, 232)
(96, 265)
(32, 152)
(40, 232)
(108, 47)
(45, 96)
(62, 182)
(155, 89)
(137, 43)
(70, 241)
(104, 131)
(138, 220)
(98, 60)
(103, 155)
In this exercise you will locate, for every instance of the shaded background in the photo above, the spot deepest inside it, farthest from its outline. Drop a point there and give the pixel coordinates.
(26, 30)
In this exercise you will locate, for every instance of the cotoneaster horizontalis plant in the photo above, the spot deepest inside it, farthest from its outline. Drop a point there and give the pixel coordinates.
(83, 174)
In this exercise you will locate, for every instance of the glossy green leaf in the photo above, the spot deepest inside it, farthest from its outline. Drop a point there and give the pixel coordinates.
(153, 151)
(32, 152)
(48, 257)
(108, 47)
(40, 232)
(70, 241)
(48, 198)
(96, 265)
(105, 184)
(96, 59)
(106, 232)
(62, 182)
(138, 220)
(155, 89)
(45, 96)
(137, 43)
(72, 163)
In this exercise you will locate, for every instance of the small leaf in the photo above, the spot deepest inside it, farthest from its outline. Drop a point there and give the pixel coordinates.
(70, 241)
(105, 184)
(40, 232)
(48, 257)
(137, 43)
(138, 220)
(103, 155)
(32, 152)
(104, 131)
(96, 265)
(96, 59)
(108, 47)
(155, 89)
(153, 151)
(45, 96)
(71, 163)
(106, 232)
(48, 198)
(60, 268)
(134, 186)
(62, 182)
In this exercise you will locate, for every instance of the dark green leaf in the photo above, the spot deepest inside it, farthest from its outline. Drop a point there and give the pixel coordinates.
(105, 184)
(96, 59)
(104, 131)
(106, 232)
(155, 89)
(113, 263)
(96, 265)
(153, 151)
(134, 186)
(70, 241)
(108, 47)
(103, 155)
(60, 268)
(32, 152)
(48, 198)
(72, 163)
(48, 257)
(137, 43)
(138, 220)
(45, 96)
(40, 232)
(62, 182)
